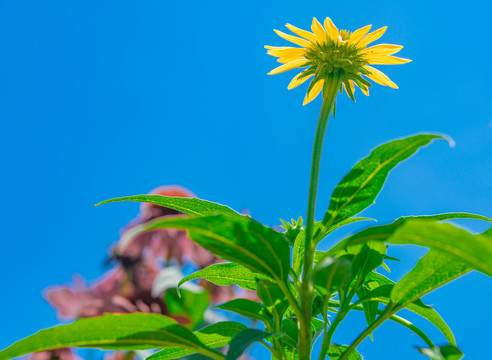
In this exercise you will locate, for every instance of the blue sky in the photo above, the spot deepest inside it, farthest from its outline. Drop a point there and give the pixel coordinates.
(100, 99)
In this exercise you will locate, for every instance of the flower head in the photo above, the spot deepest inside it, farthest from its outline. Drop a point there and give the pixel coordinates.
(327, 51)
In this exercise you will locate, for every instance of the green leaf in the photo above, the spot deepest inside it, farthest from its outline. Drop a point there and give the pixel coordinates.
(191, 305)
(213, 336)
(487, 233)
(243, 340)
(360, 187)
(433, 270)
(135, 331)
(273, 298)
(300, 242)
(227, 274)
(332, 274)
(395, 318)
(291, 353)
(248, 308)
(239, 239)
(316, 328)
(447, 352)
(382, 287)
(475, 250)
(299, 247)
(370, 307)
(335, 352)
(292, 229)
(446, 216)
(290, 329)
(364, 257)
(190, 206)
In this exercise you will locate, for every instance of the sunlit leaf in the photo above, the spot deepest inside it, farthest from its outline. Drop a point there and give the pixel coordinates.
(273, 298)
(475, 250)
(447, 216)
(335, 352)
(135, 331)
(213, 336)
(237, 239)
(381, 291)
(190, 206)
(227, 274)
(360, 187)
(433, 270)
(300, 241)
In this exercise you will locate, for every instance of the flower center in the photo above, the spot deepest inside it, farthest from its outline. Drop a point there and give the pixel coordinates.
(338, 57)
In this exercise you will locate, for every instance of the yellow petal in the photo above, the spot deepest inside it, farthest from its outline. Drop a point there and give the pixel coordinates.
(382, 49)
(365, 92)
(288, 52)
(289, 66)
(296, 40)
(331, 29)
(302, 33)
(276, 47)
(358, 34)
(369, 38)
(319, 31)
(315, 90)
(385, 60)
(285, 60)
(379, 77)
(298, 80)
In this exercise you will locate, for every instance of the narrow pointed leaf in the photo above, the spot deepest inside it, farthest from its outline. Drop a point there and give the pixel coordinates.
(332, 274)
(273, 298)
(213, 336)
(248, 308)
(433, 270)
(135, 331)
(398, 319)
(475, 250)
(382, 287)
(447, 216)
(243, 340)
(360, 187)
(224, 274)
(190, 206)
(447, 352)
(335, 352)
(239, 239)
(365, 257)
(300, 242)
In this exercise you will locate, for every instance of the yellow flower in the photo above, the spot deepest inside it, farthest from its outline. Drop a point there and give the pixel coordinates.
(326, 51)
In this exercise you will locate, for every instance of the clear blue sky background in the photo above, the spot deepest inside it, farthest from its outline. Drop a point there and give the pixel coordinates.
(100, 99)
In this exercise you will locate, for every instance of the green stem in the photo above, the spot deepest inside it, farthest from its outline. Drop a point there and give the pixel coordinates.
(385, 315)
(330, 90)
(292, 301)
(412, 327)
(327, 336)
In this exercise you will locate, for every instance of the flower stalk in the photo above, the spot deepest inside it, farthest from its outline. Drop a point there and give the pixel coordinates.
(330, 89)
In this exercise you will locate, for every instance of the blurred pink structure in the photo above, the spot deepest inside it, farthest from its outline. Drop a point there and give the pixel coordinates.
(127, 287)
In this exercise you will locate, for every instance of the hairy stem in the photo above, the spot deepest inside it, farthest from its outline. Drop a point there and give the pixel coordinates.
(330, 90)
